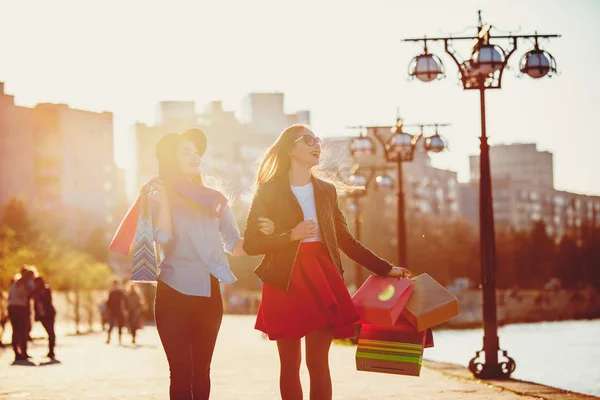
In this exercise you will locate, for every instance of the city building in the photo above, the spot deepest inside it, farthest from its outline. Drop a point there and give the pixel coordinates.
(521, 162)
(60, 162)
(524, 193)
(264, 113)
(518, 205)
(16, 150)
(76, 178)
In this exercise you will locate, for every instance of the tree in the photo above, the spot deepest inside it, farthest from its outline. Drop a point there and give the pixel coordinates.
(15, 219)
(97, 245)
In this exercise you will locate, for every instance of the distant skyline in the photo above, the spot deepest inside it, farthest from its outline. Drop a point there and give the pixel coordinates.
(342, 60)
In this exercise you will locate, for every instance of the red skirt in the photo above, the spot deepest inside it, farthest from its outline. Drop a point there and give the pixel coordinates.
(317, 299)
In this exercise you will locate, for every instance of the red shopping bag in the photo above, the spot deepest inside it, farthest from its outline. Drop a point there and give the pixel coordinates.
(380, 300)
(122, 241)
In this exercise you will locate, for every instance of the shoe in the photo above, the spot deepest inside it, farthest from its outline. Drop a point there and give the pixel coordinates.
(51, 355)
(20, 357)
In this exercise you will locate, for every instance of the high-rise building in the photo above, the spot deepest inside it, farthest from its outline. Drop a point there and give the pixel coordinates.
(16, 150)
(60, 161)
(523, 193)
(264, 113)
(518, 205)
(521, 162)
(76, 177)
(182, 112)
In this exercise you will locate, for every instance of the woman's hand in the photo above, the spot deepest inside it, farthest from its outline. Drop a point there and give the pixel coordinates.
(159, 189)
(399, 272)
(267, 227)
(304, 230)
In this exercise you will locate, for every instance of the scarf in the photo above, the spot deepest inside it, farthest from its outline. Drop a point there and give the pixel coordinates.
(136, 231)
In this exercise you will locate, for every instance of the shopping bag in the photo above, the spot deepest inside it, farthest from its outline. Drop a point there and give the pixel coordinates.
(380, 300)
(146, 255)
(402, 321)
(122, 241)
(430, 304)
(392, 350)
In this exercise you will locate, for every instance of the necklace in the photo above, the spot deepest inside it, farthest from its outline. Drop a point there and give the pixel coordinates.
(309, 194)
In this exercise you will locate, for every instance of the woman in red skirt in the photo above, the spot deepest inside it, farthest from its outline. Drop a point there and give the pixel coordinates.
(304, 295)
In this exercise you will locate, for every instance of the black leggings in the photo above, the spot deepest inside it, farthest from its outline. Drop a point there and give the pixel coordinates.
(19, 319)
(48, 323)
(188, 328)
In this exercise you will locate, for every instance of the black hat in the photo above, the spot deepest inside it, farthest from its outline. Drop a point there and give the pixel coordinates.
(166, 146)
(197, 137)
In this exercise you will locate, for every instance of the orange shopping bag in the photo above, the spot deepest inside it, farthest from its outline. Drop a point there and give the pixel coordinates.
(380, 300)
(430, 304)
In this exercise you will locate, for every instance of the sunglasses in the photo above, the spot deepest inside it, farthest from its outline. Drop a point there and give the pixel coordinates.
(309, 140)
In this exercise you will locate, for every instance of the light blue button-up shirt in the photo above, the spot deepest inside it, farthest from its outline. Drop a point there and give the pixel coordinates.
(196, 247)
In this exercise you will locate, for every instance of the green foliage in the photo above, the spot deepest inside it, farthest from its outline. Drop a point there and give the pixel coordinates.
(61, 264)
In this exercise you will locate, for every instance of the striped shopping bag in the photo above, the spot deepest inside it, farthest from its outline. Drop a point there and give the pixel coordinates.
(392, 350)
(145, 252)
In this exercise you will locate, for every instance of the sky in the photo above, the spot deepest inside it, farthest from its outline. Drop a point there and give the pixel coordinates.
(345, 61)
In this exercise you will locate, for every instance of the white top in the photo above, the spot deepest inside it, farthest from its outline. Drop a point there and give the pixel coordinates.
(306, 197)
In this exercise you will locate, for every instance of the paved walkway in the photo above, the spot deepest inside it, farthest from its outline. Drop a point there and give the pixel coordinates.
(245, 367)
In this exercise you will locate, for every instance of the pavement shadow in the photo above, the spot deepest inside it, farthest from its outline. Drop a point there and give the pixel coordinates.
(139, 346)
(53, 361)
(24, 363)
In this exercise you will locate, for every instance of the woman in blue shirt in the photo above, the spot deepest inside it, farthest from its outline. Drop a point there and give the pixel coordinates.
(188, 305)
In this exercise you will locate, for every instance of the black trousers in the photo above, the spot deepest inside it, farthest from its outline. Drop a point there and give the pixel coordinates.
(188, 328)
(20, 321)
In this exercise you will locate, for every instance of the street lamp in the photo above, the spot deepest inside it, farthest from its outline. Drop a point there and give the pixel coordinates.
(362, 181)
(483, 70)
(399, 147)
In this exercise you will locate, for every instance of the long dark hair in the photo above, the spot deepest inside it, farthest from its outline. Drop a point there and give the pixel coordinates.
(166, 153)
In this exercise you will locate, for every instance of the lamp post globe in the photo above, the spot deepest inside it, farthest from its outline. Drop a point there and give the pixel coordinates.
(400, 147)
(537, 63)
(488, 58)
(434, 144)
(384, 182)
(361, 146)
(426, 67)
(358, 180)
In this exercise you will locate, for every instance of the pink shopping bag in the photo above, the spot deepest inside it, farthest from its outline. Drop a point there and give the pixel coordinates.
(380, 300)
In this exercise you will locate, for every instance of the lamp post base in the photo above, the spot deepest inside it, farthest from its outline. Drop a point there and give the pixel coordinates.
(492, 370)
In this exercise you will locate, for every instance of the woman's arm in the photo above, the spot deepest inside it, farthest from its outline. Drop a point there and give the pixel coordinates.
(256, 242)
(353, 248)
(230, 234)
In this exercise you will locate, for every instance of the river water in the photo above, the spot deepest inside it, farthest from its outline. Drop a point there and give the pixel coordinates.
(562, 354)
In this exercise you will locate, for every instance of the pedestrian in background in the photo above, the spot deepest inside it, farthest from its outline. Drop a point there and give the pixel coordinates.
(115, 307)
(19, 306)
(3, 316)
(135, 309)
(45, 312)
